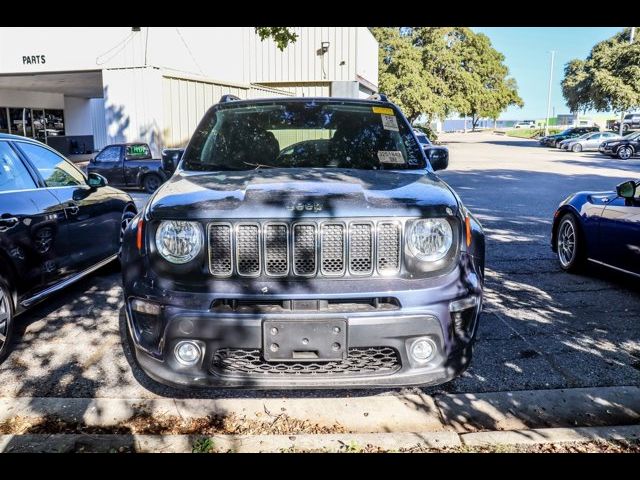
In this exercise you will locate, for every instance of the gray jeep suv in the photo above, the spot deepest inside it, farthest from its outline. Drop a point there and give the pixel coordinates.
(304, 242)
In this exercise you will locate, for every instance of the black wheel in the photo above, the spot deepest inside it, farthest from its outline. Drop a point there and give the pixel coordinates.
(576, 148)
(569, 244)
(151, 183)
(124, 223)
(625, 153)
(6, 318)
(115, 266)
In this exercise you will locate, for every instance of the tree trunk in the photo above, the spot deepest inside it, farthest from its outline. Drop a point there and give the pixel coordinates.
(474, 122)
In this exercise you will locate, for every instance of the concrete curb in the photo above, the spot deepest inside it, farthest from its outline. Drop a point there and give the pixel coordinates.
(330, 443)
(551, 435)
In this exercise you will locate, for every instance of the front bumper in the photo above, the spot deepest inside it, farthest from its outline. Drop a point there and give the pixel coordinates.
(421, 312)
(607, 150)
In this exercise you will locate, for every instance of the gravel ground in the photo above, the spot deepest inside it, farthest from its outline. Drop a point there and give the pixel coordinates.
(541, 328)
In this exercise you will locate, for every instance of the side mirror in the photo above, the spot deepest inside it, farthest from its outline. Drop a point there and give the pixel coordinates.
(96, 180)
(438, 157)
(626, 189)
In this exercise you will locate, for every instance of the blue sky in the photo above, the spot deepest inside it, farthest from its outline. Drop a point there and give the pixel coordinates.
(527, 56)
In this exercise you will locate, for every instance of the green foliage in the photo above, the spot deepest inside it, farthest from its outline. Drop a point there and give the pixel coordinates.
(439, 70)
(427, 130)
(530, 132)
(282, 36)
(483, 88)
(203, 445)
(609, 78)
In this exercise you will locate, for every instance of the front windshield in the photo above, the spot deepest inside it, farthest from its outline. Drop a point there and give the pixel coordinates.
(303, 134)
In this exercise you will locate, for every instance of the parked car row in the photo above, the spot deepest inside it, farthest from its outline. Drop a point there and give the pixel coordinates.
(574, 132)
(579, 139)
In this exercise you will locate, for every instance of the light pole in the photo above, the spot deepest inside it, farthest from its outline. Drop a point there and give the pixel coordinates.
(546, 124)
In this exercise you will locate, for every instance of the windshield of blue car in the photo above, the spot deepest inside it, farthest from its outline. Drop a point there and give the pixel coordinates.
(303, 134)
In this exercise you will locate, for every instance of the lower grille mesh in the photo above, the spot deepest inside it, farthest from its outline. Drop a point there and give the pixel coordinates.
(360, 361)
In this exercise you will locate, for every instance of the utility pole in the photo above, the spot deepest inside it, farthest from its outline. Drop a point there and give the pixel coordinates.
(631, 37)
(546, 125)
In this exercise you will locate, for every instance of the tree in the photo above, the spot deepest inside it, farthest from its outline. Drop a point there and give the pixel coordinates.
(282, 36)
(439, 70)
(403, 77)
(609, 78)
(483, 88)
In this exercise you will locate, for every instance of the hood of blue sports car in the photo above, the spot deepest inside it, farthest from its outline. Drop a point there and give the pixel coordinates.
(295, 192)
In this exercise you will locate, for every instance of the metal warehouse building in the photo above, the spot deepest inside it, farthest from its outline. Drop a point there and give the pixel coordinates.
(79, 89)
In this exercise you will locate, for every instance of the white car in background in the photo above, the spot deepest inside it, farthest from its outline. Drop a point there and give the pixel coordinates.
(590, 141)
(525, 124)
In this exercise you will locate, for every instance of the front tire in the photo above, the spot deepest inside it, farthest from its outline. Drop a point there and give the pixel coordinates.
(151, 182)
(6, 318)
(570, 244)
(576, 148)
(625, 153)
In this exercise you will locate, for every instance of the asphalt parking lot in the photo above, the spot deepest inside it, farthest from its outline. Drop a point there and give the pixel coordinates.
(541, 328)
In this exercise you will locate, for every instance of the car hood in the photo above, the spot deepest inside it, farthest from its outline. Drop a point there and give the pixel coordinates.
(285, 193)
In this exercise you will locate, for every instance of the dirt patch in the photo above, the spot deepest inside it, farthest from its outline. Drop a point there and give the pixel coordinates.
(143, 423)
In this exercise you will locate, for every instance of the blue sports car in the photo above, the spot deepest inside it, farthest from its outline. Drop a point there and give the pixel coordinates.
(600, 227)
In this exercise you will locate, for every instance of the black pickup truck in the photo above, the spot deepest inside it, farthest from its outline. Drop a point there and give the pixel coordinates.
(131, 165)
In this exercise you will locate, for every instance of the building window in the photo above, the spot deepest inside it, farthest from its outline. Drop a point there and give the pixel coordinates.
(4, 120)
(21, 121)
(35, 123)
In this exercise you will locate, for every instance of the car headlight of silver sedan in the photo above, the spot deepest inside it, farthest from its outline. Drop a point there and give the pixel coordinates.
(429, 239)
(179, 241)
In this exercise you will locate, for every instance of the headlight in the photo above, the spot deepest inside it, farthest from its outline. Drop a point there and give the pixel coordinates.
(430, 239)
(179, 242)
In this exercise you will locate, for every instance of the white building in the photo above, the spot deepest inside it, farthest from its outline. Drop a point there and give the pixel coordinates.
(90, 87)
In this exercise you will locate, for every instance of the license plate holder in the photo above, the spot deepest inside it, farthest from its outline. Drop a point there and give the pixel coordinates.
(304, 340)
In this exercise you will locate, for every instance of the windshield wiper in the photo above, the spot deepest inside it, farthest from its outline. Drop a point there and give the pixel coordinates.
(259, 165)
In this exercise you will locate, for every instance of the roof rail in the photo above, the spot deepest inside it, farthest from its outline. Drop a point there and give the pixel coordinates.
(380, 97)
(228, 98)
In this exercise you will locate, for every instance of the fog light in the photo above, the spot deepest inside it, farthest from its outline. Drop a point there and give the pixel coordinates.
(188, 353)
(143, 306)
(423, 349)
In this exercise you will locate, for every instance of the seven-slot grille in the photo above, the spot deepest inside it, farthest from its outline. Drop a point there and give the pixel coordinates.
(328, 248)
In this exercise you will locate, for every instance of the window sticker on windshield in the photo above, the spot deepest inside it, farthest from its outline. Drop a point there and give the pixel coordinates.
(389, 122)
(393, 157)
(383, 110)
(136, 150)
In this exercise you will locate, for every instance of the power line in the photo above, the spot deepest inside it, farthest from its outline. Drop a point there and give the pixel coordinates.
(189, 50)
(122, 44)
